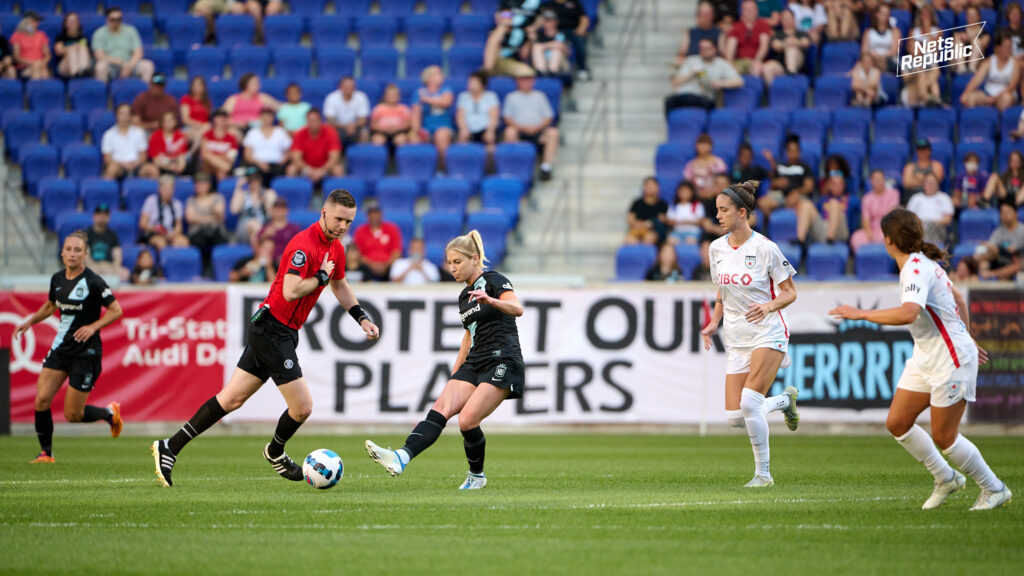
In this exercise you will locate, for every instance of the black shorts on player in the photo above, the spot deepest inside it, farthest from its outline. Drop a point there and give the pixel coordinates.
(270, 352)
(505, 374)
(83, 371)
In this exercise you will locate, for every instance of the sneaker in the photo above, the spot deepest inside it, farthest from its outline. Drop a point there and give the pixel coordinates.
(943, 490)
(474, 482)
(583, 75)
(43, 458)
(545, 173)
(284, 465)
(164, 460)
(992, 500)
(386, 457)
(759, 481)
(116, 424)
(791, 413)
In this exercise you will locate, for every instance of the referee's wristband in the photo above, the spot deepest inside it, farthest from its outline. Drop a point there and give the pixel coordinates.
(323, 277)
(357, 314)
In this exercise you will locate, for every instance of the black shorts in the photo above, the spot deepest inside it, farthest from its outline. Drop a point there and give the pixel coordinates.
(477, 137)
(83, 371)
(501, 372)
(532, 138)
(270, 352)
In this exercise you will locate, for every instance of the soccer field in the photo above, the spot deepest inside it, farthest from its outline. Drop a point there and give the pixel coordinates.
(565, 504)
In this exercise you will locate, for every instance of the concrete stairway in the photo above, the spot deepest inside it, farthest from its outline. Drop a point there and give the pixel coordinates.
(25, 250)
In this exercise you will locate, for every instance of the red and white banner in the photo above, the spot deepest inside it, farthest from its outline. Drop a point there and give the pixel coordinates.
(163, 359)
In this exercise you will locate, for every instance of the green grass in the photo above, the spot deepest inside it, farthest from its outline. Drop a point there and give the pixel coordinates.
(569, 504)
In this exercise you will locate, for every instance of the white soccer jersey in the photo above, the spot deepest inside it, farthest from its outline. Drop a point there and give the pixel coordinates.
(746, 275)
(941, 341)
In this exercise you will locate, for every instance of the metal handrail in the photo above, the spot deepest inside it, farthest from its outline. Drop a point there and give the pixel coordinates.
(555, 227)
(23, 240)
(635, 20)
(594, 125)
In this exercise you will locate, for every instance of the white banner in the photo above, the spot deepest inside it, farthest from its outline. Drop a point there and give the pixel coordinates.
(621, 354)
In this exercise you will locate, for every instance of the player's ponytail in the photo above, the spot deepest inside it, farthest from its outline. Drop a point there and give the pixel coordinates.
(743, 195)
(904, 229)
(469, 245)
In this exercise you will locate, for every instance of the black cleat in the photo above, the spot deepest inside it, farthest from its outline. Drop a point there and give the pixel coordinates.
(164, 460)
(284, 465)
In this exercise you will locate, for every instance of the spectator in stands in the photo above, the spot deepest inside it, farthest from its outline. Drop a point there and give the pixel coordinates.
(118, 50)
(415, 269)
(379, 242)
(866, 82)
(646, 217)
(477, 112)
(209, 10)
(788, 49)
(1008, 185)
(686, 215)
(316, 150)
(167, 150)
(244, 108)
(195, 109)
(31, 48)
(666, 267)
(769, 11)
(7, 67)
(881, 40)
(355, 269)
(810, 18)
(104, 255)
(218, 148)
(875, 204)
(923, 88)
(507, 46)
(278, 228)
(348, 111)
(1014, 28)
(745, 169)
(935, 208)
(746, 47)
(843, 24)
(123, 146)
(793, 175)
(999, 258)
(204, 212)
(701, 79)
(390, 121)
(74, 58)
(145, 270)
(996, 81)
(549, 49)
(528, 117)
(267, 147)
(701, 170)
(161, 218)
(433, 117)
(915, 172)
(251, 202)
(149, 106)
(835, 163)
(966, 36)
(835, 202)
(260, 267)
(704, 28)
(292, 113)
(258, 9)
(970, 183)
(573, 22)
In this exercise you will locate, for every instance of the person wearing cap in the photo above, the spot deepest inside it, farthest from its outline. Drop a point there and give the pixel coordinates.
(123, 146)
(118, 50)
(168, 149)
(204, 213)
(251, 202)
(549, 49)
(71, 47)
(574, 23)
(162, 216)
(528, 117)
(31, 48)
(266, 147)
(278, 229)
(379, 242)
(316, 150)
(104, 255)
(150, 105)
(218, 148)
(922, 165)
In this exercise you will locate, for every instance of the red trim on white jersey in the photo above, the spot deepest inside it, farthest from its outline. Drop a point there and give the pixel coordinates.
(771, 287)
(945, 335)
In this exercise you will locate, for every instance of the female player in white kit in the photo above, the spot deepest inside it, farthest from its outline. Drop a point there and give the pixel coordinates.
(755, 283)
(942, 371)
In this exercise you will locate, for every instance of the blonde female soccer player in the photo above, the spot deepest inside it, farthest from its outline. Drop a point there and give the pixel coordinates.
(755, 284)
(942, 371)
(488, 369)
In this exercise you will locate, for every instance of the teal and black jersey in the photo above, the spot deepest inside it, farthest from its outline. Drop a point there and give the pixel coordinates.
(80, 301)
(494, 334)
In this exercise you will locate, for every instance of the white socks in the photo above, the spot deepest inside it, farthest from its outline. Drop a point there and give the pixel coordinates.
(735, 418)
(921, 447)
(752, 408)
(967, 458)
(775, 403)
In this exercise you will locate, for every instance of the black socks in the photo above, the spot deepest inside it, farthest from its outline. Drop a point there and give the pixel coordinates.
(95, 414)
(475, 443)
(286, 428)
(44, 430)
(207, 415)
(425, 433)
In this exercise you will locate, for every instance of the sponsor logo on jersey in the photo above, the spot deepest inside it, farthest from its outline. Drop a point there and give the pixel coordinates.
(499, 372)
(288, 364)
(912, 288)
(299, 258)
(750, 262)
(735, 279)
(66, 307)
(470, 312)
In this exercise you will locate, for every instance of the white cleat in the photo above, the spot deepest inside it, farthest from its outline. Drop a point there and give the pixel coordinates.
(386, 457)
(791, 413)
(474, 482)
(992, 500)
(943, 490)
(760, 481)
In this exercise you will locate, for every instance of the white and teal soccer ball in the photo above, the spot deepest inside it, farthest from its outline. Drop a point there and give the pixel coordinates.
(322, 468)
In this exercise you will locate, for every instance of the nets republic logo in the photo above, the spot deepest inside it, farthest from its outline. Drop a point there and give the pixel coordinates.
(939, 49)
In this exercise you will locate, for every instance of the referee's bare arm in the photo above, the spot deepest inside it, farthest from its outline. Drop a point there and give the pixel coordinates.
(295, 287)
(347, 298)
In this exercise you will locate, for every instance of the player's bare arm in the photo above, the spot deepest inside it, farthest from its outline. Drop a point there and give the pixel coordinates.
(44, 312)
(902, 315)
(347, 298)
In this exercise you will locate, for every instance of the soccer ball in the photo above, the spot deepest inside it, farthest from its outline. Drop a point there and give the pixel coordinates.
(322, 468)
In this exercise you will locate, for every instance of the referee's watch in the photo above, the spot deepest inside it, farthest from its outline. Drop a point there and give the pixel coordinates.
(323, 277)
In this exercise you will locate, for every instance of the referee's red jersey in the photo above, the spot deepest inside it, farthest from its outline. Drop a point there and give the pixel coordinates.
(303, 257)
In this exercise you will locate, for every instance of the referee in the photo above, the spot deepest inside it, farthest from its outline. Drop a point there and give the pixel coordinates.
(312, 259)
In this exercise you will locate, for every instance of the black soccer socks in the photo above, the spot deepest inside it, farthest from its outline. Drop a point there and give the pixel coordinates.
(44, 431)
(475, 443)
(286, 428)
(425, 433)
(207, 415)
(95, 414)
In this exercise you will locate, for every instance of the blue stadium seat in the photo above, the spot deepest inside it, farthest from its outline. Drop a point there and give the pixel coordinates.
(135, 192)
(448, 194)
(163, 9)
(130, 254)
(440, 227)
(56, 195)
(297, 190)
(96, 191)
(184, 188)
(504, 195)
(445, 8)
(892, 125)
(234, 29)
(872, 263)
(467, 161)
(977, 225)
(851, 125)
(206, 61)
(516, 159)
(330, 30)
(64, 127)
(552, 88)
(417, 58)
(376, 31)
(788, 92)
(726, 127)
(317, 89)
(81, 160)
(225, 256)
(793, 253)
(487, 7)
(904, 20)
(832, 92)
(685, 124)
(397, 194)
(827, 261)
(45, 95)
(1006, 149)
(493, 228)
(184, 32)
(782, 225)
(143, 24)
(936, 124)
(1009, 120)
(124, 90)
(163, 60)
(335, 61)
(889, 157)
(688, 256)
(396, 9)
(70, 221)
(221, 90)
(282, 29)
(811, 126)
(406, 225)
(670, 159)
(891, 86)
(853, 152)
(38, 161)
(183, 264)
(424, 30)
(380, 63)
(471, 30)
(408, 87)
(98, 122)
(12, 95)
(312, 8)
(245, 59)
(276, 87)
(767, 129)
(986, 151)
(464, 59)
(961, 251)
(90, 23)
(633, 262)
(373, 89)
(746, 97)
(128, 6)
(417, 161)
(87, 94)
(979, 124)
(502, 86)
(355, 186)
(367, 161)
(958, 87)
(838, 58)
(303, 218)
(76, 5)
(292, 62)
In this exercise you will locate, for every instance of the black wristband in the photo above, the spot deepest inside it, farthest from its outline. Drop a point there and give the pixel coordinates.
(323, 277)
(357, 314)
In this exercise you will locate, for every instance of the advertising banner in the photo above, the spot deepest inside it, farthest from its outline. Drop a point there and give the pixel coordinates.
(997, 322)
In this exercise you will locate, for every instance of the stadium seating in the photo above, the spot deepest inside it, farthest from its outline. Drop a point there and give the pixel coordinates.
(782, 226)
(12, 95)
(245, 59)
(838, 58)
(282, 29)
(81, 160)
(788, 92)
(467, 161)
(297, 190)
(20, 128)
(872, 262)
(292, 62)
(96, 191)
(440, 227)
(135, 192)
(504, 195)
(335, 61)
(125, 225)
(493, 228)
(936, 124)
(688, 256)
(686, 124)
(464, 59)
(225, 256)
(368, 162)
(98, 122)
(448, 195)
(745, 97)
(329, 30)
(978, 124)
(314, 8)
(832, 93)
(56, 195)
(38, 161)
(234, 29)
(893, 125)
(379, 63)
(418, 58)
(470, 30)
(124, 90)
(406, 225)
(183, 33)
(70, 221)
(977, 225)
(633, 262)
(397, 194)
(827, 262)
(64, 127)
(424, 30)
(376, 31)
(417, 161)
(516, 159)
(355, 186)
(45, 95)
(130, 254)
(181, 264)
(87, 94)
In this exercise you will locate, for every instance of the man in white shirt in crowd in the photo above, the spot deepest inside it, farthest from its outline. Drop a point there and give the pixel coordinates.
(123, 145)
(935, 209)
(266, 147)
(701, 79)
(348, 110)
(415, 269)
(528, 117)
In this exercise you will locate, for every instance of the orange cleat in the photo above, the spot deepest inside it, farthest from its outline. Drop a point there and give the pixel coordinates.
(116, 424)
(43, 459)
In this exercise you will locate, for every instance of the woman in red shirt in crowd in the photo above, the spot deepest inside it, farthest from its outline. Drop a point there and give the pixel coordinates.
(168, 149)
(390, 121)
(195, 109)
(219, 147)
(31, 48)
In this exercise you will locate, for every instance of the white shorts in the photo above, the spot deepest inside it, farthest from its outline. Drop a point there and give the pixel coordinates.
(737, 360)
(946, 388)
